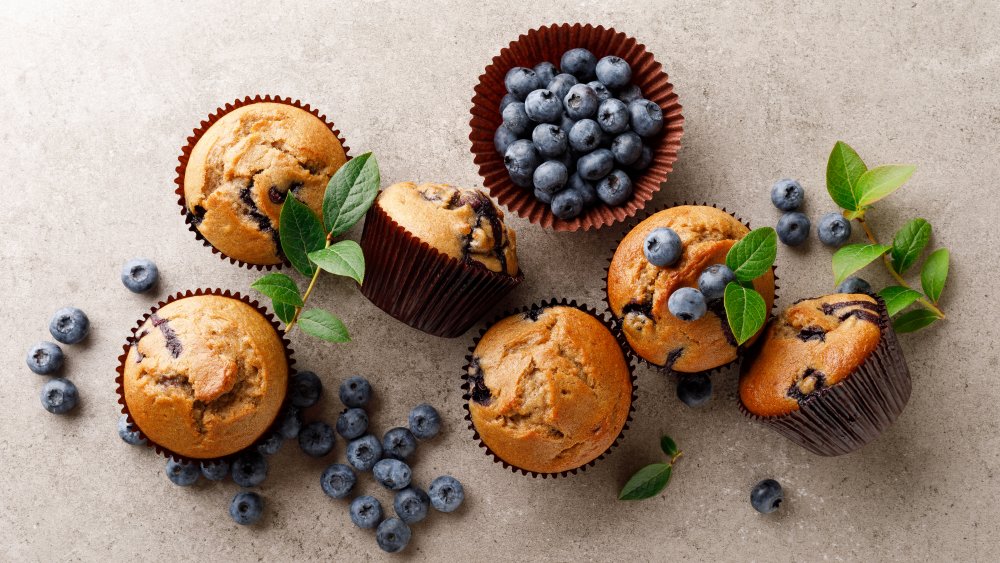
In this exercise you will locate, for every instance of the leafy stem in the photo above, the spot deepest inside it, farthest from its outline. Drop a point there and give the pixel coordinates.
(307, 293)
(652, 479)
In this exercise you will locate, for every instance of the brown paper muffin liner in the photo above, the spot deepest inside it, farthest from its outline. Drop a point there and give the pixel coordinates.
(740, 350)
(467, 394)
(423, 287)
(548, 44)
(192, 140)
(120, 379)
(846, 416)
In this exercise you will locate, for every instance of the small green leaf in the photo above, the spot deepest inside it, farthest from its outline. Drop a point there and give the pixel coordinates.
(323, 325)
(753, 255)
(881, 181)
(909, 243)
(914, 320)
(280, 288)
(350, 193)
(746, 311)
(668, 446)
(301, 233)
(284, 311)
(342, 259)
(898, 298)
(843, 170)
(646, 482)
(934, 274)
(853, 257)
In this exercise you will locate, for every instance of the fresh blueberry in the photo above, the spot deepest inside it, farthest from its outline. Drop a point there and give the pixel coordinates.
(787, 194)
(629, 94)
(544, 197)
(352, 423)
(687, 304)
(516, 119)
(215, 471)
(645, 159)
(581, 102)
(247, 508)
(69, 325)
(569, 161)
(249, 469)
(45, 358)
(662, 247)
(392, 474)
(585, 135)
(392, 535)
(613, 116)
(626, 148)
(793, 228)
(411, 504)
(561, 84)
(364, 452)
(59, 395)
(600, 89)
(182, 473)
(615, 188)
(694, 390)
(550, 176)
(550, 140)
(355, 391)
(566, 124)
(834, 229)
(337, 480)
(521, 159)
(128, 432)
(567, 204)
(766, 496)
(507, 99)
(424, 421)
(291, 422)
(854, 284)
(304, 389)
(545, 71)
(579, 62)
(543, 106)
(521, 81)
(503, 138)
(646, 117)
(139, 275)
(398, 443)
(613, 72)
(713, 281)
(586, 190)
(271, 444)
(366, 512)
(595, 165)
(446, 493)
(317, 438)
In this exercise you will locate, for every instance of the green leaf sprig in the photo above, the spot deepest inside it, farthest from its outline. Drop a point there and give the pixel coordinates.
(308, 244)
(652, 479)
(751, 257)
(855, 187)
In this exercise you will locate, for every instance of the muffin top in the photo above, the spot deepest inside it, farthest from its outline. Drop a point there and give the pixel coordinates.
(638, 291)
(812, 345)
(551, 389)
(243, 167)
(462, 223)
(206, 376)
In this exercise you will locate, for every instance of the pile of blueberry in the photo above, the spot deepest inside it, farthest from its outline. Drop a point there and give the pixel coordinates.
(576, 135)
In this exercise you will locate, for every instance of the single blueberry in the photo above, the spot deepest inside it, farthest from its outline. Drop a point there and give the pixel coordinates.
(59, 395)
(411, 504)
(424, 421)
(247, 508)
(646, 117)
(694, 390)
(543, 106)
(446, 493)
(713, 281)
(139, 275)
(304, 389)
(645, 159)
(662, 247)
(249, 469)
(355, 391)
(271, 444)
(793, 228)
(516, 119)
(787, 194)
(550, 140)
(629, 94)
(128, 432)
(392, 474)
(766, 496)
(503, 138)
(398, 443)
(569, 161)
(352, 423)
(581, 102)
(521, 160)
(215, 471)
(521, 81)
(44, 358)
(550, 176)
(366, 512)
(586, 190)
(580, 63)
(615, 188)
(507, 99)
(834, 229)
(687, 304)
(364, 452)
(585, 135)
(317, 438)
(291, 422)
(69, 325)
(567, 204)
(854, 284)
(545, 71)
(613, 72)
(392, 535)
(600, 89)
(182, 473)
(566, 124)
(595, 165)
(613, 116)
(626, 148)
(544, 197)
(561, 84)
(337, 480)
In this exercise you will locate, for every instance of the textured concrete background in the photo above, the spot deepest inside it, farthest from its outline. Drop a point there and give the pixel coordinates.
(97, 97)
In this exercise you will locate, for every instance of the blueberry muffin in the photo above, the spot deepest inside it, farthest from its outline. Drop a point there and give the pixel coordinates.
(638, 290)
(550, 389)
(205, 376)
(244, 166)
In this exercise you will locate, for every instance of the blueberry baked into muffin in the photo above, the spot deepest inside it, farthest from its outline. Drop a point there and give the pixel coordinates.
(244, 166)
(638, 290)
(205, 376)
(550, 389)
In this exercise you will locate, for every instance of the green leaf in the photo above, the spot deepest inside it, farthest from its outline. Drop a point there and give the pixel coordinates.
(746, 311)
(284, 311)
(280, 288)
(898, 298)
(668, 446)
(646, 482)
(350, 193)
(753, 255)
(934, 274)
(914, 320)
(853, 257)
(843, 170)
(343, 259)
(909, 243)
(301, 233)
(323, 325)
(881, 181)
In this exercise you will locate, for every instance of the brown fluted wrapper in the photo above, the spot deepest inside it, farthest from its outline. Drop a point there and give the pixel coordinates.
(467, 396)
(423, 287)
(548, 44)
(846, 416)
(205, 124)
(120, 378)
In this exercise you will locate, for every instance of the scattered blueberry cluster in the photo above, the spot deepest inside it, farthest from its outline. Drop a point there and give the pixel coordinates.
(576, 135)
(69, 325)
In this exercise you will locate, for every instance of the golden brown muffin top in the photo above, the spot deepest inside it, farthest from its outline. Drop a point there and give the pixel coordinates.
(812, 345)
(243, 167)
(206, 376)
(462, 223)
(551, 389)
(638, 291)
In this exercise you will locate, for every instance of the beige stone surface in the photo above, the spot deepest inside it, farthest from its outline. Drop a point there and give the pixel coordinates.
(97, 97)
